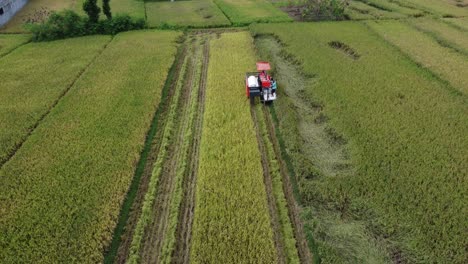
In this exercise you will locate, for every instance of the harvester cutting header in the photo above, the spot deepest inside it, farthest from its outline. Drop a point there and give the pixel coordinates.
(260, 84)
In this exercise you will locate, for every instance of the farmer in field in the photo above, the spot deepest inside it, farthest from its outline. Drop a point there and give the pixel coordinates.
(273, 85)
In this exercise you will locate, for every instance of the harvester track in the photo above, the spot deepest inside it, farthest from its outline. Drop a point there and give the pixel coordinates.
(184, 228)
(135, 212)
(293, 208)
(267, 179)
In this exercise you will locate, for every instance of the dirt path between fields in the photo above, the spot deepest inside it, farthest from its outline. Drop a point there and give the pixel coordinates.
(267, 179)
(135, 211)
(184, 227)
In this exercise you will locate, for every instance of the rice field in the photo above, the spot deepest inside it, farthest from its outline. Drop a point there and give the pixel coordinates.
(195, 13)
(445, 62)
(143, 148)
(77, 165)
(405, 132)
(35, 76)
(244, 12)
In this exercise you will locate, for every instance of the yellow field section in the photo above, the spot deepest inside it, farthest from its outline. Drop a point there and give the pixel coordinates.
(443, 61)
(232, 223)
(60, 194)
(33, 78)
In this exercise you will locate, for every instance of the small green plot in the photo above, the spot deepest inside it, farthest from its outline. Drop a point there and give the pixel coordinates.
(199, 13)
(242, 12)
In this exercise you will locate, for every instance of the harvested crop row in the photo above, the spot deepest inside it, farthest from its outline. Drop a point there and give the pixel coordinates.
(443, 61)
(147, 216)
(231, 223)
(9, 42)
(196, 13)
(63, 189)
(407, 139)
(244, 12)
(34, 78)
(286, 228)
(183, 160)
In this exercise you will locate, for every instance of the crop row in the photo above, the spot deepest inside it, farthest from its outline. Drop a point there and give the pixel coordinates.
(62, 191)
(392, 7)
(358, 10)
(406, 135)
(231, 222)
(447, 63)
(34, 77)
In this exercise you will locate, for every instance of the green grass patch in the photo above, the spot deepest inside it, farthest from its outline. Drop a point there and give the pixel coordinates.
(34, 77)
(406, 135)
(77, 166)
(231, 222)
(9, 42)
(196, 13)
(445, 62)
(244, 12)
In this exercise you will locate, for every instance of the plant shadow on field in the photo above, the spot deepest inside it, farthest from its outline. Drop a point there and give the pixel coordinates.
(319, 162)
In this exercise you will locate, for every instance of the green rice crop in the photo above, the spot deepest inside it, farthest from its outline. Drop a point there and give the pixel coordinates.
(9, 42)
(34, 77)
(231, 222)
(196, 13)
(406, 135)
(243, 12)
(358, 10)
(461, 23)
(60, 195)
(447, 63)
(393, 7)
(444, 33)
(437, 7)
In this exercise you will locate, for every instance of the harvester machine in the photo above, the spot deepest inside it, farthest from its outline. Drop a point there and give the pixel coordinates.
(260, 84)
